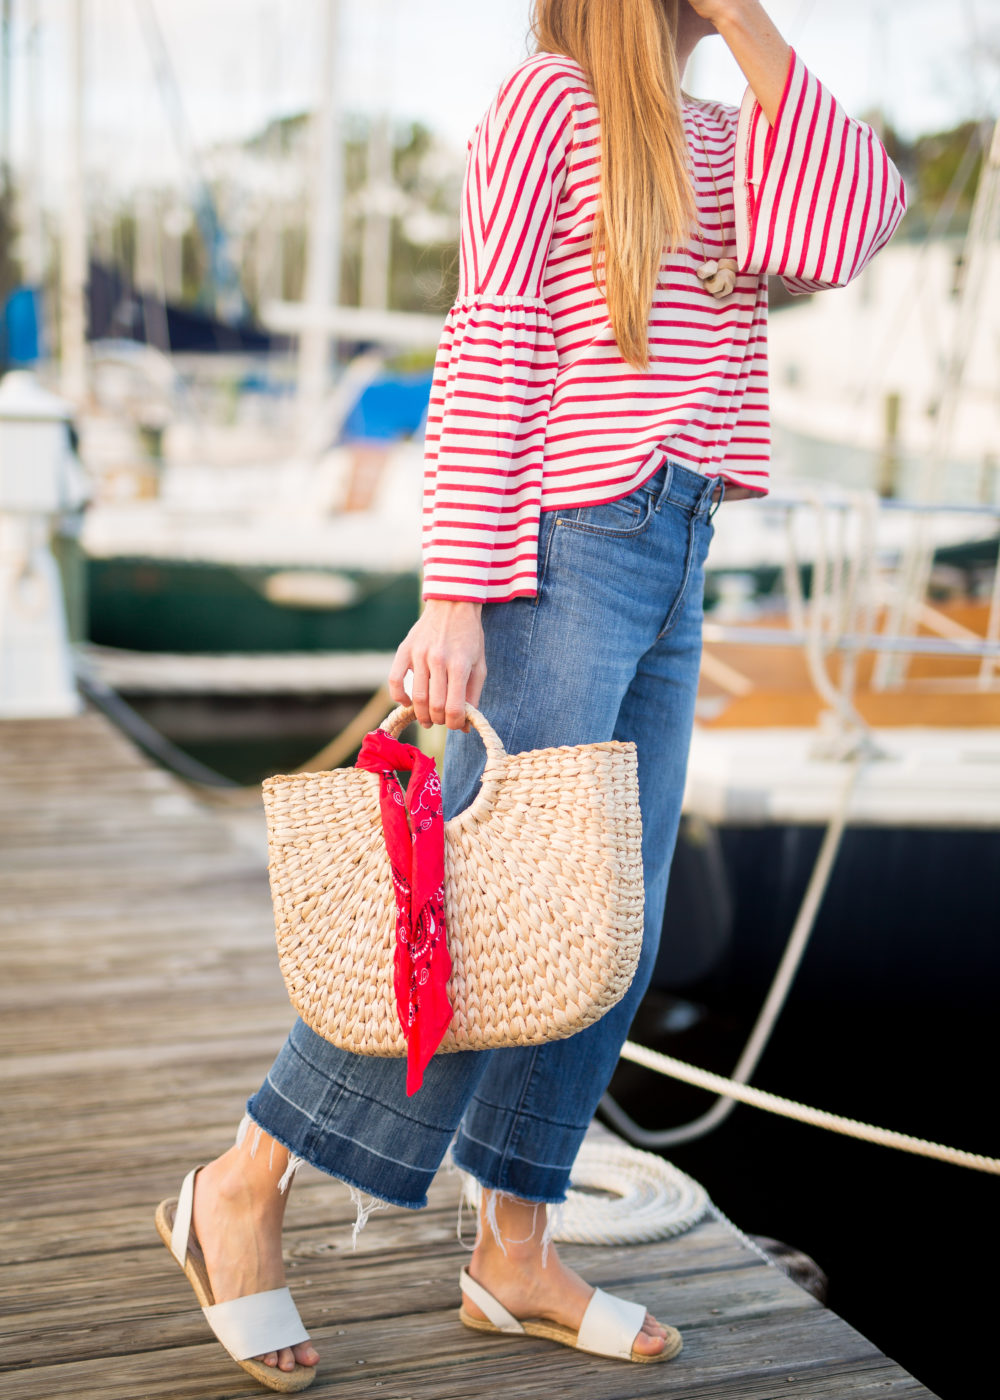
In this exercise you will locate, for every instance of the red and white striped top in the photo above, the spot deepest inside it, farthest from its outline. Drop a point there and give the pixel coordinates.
(532, 406)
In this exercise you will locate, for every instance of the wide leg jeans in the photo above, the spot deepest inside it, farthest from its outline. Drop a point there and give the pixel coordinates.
(609, 648)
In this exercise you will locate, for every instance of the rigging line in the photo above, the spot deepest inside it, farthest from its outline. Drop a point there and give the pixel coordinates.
(802, 17)
(974, 52)
(915, 293)
(774, 1002)
(816, 1117)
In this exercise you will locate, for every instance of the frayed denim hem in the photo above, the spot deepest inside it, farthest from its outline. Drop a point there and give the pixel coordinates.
(483, 1199)
(351, 1183)
(480, 1178)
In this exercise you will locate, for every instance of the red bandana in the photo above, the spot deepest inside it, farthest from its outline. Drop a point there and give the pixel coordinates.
(422, 964)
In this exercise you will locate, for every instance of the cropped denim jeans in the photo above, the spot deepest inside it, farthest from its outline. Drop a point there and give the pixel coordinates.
(608, 648)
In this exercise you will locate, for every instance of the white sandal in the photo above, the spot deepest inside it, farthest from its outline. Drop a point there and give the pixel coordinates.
(609, 1327)
(246, 1327)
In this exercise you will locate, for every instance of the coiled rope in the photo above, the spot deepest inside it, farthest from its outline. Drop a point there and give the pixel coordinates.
(617, 1195)
(642, 1197)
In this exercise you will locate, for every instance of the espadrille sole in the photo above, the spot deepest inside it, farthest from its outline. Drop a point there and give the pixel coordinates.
(288, 1382)
(555, 1332)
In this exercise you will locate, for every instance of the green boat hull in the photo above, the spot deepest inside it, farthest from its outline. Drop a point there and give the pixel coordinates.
(177, 606)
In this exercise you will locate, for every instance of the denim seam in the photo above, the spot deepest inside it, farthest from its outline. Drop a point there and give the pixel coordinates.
(337, 1176)
(346, 1087)
(604, 531)
(285, 1099)
(526, 1113)
(489, 1186)
(542, 572)
(514, 1133)
(374, 1152)
(518, 1156)
(674, 612)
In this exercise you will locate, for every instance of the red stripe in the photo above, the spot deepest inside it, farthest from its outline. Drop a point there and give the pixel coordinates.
(842, 251)
(864, 233)
(778, 182)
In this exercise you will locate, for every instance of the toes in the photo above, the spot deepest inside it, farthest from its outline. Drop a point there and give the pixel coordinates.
(652, 1339)
(305, 1354)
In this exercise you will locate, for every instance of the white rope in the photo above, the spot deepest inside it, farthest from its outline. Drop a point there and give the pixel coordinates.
(774, 1002)
(617, 1195)
(642, 1198)
(818, 1118)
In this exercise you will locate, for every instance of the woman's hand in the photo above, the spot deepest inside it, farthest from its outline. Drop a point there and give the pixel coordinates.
(445, 651)
(715, 10)
(755, 44)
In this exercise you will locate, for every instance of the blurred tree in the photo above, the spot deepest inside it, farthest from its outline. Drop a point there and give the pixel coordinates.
(10, 271)
(939, 168)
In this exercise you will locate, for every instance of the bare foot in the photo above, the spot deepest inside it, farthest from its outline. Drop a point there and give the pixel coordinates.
(526, 1289)
(238, 1214)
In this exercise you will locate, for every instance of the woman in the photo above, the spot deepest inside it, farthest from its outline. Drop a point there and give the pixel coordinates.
(601, 382)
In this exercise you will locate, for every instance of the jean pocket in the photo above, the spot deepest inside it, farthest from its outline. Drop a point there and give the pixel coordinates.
(629, 515)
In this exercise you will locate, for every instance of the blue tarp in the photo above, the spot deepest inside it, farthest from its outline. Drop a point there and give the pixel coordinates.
(392, 407)
(20, 335)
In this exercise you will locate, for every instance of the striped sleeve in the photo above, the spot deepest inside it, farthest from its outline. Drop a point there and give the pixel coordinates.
(496, 364)
(816, 195)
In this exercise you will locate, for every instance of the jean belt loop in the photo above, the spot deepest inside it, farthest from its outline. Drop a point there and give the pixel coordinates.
(668, 477)
(719, 481)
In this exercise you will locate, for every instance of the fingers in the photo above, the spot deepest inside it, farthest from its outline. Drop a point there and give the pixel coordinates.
(444, 650)
(401, 664)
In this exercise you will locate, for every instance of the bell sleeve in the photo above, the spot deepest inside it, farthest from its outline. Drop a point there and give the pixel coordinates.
(816, 194)
(496, 364)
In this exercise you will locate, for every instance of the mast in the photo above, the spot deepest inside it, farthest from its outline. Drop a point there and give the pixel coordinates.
(73, 262)
(33, 241)
(322, 287)
(376, 244)
(5, 18)
(376, 239)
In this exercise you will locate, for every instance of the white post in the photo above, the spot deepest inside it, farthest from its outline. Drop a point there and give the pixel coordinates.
(322, 287)
(73, 269)
(376, 245)
(39, 479)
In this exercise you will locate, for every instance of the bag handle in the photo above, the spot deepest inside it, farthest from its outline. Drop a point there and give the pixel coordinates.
(496, 756)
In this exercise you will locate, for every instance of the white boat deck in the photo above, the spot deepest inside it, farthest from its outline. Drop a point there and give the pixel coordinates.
(942, 778)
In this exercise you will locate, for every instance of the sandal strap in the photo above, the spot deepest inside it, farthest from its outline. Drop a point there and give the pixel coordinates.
(610, 1325)
(181, 1232)
(257, 1323)
(495, 1311)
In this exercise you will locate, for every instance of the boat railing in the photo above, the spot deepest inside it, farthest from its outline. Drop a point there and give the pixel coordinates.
(865, 598)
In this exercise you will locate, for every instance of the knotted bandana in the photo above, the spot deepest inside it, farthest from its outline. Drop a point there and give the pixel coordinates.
(422, 964)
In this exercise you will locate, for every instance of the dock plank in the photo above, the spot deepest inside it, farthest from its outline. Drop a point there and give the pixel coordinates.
(139, 1003)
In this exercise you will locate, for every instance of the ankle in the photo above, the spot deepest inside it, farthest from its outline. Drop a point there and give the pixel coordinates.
(517, 1250)
(236, 1181)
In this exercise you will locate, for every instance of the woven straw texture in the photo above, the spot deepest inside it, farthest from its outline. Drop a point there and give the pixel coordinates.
(543, 897)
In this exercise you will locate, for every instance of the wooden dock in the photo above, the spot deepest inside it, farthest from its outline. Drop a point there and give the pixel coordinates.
(140, 1004)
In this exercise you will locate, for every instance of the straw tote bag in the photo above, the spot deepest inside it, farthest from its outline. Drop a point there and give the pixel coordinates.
(543, 897)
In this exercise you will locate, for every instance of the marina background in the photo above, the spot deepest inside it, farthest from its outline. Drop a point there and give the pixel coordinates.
(227, 237)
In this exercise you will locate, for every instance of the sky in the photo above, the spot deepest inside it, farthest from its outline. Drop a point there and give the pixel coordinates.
(927, 63)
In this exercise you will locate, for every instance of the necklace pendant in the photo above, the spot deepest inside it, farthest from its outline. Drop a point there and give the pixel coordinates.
(718, 276)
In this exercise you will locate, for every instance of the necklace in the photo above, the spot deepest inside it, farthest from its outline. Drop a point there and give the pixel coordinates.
(716, 275)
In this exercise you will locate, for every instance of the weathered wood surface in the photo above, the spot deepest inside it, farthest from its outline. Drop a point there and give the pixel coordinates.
(139, 1004)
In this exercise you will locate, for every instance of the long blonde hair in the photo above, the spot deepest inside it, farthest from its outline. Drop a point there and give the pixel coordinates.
(626, 49)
